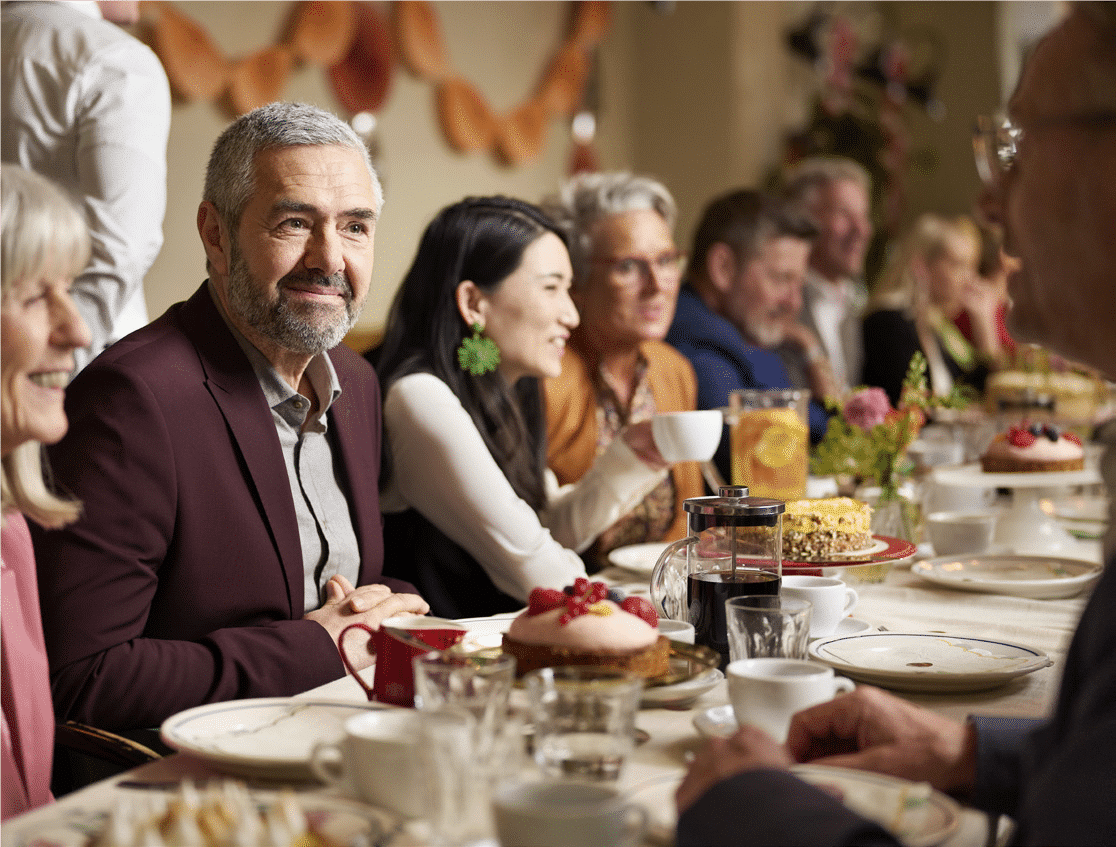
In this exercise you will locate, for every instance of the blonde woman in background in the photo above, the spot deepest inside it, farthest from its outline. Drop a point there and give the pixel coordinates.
(45, 245)
(930, 279)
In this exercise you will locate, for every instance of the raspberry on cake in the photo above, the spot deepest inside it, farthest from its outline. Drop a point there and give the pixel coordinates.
(587, 624)
(817, 529)
(1033, 448)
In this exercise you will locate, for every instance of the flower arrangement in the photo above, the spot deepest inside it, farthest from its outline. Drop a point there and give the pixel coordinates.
(867, 439)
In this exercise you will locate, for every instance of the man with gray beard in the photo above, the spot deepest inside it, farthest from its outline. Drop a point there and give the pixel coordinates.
(227, 454)
(742, 293)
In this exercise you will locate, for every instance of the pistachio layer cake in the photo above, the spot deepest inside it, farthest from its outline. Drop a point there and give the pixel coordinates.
(816, 530)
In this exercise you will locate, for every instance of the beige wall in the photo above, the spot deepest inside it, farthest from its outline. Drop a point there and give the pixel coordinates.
(700, 97)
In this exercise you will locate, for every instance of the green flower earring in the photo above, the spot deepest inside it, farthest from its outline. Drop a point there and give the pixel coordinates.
(478, 355)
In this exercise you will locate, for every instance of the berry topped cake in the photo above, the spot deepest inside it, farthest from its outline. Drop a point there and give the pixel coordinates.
(588, 624)
(1033, 448)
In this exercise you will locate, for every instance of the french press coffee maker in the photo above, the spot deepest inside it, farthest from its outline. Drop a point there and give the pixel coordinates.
(734, 547)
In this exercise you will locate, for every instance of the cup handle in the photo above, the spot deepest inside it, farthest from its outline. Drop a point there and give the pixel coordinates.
(345, 659)
(635, 826)
(851, 599)
(327, 763)
(843, 685)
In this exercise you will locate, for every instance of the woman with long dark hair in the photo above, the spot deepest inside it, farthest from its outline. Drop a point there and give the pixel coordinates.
(472, 516)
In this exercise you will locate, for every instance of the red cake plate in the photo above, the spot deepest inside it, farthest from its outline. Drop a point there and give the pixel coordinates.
(883, 550)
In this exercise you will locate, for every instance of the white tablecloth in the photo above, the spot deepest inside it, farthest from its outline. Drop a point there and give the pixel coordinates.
(902, 602)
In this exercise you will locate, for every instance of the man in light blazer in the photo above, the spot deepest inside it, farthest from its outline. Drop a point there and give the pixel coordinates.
(227, 454)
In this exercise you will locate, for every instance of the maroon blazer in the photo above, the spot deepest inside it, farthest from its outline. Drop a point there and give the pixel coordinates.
(182, 583)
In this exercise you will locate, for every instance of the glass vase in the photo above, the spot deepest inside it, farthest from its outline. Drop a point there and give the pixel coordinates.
(896, 516)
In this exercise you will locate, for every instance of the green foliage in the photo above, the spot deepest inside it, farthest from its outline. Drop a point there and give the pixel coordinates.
(879, 453)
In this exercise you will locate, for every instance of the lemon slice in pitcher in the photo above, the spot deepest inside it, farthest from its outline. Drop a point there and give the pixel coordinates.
(778, 446)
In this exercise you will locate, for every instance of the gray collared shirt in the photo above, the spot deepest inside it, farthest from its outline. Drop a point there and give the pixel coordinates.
(325, 525)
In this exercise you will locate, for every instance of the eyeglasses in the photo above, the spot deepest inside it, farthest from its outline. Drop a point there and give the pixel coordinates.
(996, 139)
(633, 270)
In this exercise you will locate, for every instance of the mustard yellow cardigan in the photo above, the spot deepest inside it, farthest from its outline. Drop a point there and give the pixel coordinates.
(572, 429)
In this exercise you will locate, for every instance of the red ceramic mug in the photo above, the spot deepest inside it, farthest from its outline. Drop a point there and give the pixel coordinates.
(396, 643)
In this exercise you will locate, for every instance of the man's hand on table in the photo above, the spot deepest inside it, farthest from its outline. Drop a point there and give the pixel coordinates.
(369, 604)
(747, 749)
(867, 729)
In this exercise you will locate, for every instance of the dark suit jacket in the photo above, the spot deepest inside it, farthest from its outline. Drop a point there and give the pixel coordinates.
(182, 583)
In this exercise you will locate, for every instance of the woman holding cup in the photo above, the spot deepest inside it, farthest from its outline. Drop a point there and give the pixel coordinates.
(472, 515)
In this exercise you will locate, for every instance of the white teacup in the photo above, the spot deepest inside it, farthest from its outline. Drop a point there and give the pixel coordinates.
(677, 630)
(378, 759)
(688, 436)
(957, 533)
(768, 692)
(566, 814)
(832, 600)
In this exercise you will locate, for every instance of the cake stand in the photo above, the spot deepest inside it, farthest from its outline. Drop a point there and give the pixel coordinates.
(1024, 527)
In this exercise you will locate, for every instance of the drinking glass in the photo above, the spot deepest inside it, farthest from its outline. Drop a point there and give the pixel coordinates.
(584, 720)
(777, 627)
(480, 684)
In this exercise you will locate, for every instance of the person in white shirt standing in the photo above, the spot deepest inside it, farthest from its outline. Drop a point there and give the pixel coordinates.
(88, 105)
(836, 193)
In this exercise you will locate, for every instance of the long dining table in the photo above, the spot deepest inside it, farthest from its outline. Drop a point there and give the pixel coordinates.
(901, 602)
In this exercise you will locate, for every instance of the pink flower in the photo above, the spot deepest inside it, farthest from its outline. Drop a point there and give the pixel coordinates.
(867, 407)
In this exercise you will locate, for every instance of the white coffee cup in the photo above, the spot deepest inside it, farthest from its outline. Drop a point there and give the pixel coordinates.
(957, 533)
(687, 436)
(832, 600)
(566, 814)
(768, 692)
(677, 630)
(378, 759)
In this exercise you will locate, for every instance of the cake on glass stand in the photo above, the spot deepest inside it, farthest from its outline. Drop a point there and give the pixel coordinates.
(1024, 527)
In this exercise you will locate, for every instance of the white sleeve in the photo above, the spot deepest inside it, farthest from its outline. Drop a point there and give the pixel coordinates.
(442, 468)
(122, 131)
(615, 484)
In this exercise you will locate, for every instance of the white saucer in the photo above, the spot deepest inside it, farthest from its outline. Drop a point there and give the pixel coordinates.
(847, 626)
(716, 722)
(640, 558)
(681, 693)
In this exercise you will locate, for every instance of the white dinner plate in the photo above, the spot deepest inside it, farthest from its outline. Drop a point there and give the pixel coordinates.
(914, 812)
(265, 737)
(920, 661)
(683, 693)
(344, 822)
(1036, 577)
(639, 558)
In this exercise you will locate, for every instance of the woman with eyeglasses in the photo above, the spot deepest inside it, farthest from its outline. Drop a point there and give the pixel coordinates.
(472, 516)
(617, 370)
(929, 281)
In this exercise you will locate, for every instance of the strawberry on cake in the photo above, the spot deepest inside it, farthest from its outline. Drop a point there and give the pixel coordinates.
(588, 624)
(1033, 448)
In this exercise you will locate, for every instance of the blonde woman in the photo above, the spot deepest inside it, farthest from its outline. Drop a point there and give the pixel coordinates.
(45, 245)
(930, 279)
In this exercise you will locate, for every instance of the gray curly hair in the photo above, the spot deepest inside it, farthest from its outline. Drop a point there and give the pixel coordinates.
(586, 198)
